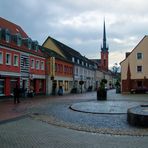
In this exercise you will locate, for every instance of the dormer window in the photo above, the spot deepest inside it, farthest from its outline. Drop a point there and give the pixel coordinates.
(7, 35)
(29, 43)
(82, 63)
(73, 59)
(19, 40)
(0, 33)
(35, 45)
(78, 61)
(1, 57)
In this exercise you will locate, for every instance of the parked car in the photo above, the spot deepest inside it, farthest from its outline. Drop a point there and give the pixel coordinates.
(139, 90)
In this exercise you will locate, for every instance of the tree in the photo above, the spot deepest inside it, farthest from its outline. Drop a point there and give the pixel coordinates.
(115, 68)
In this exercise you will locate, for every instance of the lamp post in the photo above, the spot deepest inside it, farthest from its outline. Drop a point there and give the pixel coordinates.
(81, 83)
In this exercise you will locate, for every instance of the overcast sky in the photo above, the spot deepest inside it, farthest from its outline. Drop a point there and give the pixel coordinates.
(79, 23)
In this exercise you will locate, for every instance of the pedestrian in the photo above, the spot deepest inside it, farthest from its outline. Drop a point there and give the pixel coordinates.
(60, 91)
(16, 93)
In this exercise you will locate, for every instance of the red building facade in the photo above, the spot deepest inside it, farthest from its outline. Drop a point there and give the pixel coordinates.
(21, 61)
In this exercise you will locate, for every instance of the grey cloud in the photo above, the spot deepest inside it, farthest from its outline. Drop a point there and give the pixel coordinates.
(79, 23)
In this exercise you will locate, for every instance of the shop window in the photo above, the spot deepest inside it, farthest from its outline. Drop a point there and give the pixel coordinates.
(1, 87)
(8, 59)
(56, 67)
(60, 83)
(41, 85)
(15, 60)
(139, 83)
(66, 85)
(12, 85)
(1, 57)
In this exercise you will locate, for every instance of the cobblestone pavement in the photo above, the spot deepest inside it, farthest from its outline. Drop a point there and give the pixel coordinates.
(58, 113)
(37, 117)
(28, 133)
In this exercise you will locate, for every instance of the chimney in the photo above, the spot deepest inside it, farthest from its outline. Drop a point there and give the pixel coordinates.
(127, 54)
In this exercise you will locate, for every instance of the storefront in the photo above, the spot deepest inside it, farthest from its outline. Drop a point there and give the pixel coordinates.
(7, 84)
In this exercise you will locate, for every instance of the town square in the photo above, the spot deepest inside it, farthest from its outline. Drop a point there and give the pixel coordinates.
(73, 74)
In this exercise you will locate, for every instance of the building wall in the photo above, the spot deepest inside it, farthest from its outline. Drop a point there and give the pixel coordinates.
(133, 62)
(11, 67)
(64, 69)
(63, 76)
(49, 44)
(104, 57)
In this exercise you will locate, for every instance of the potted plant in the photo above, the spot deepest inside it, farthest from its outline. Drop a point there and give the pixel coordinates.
(102, 92)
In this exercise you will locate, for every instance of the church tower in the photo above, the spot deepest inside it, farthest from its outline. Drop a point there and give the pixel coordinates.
(104, 51)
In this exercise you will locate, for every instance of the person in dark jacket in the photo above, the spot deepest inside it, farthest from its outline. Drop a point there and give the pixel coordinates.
(16, 93)
(60, 91)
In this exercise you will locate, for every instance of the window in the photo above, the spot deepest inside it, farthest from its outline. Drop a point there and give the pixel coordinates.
(66, 86)
(8, 59)
(104, 62)
(73, 59)
(15, 60)
(78, 61)
(42, 65)
(139, 83)
(139, 56)
(56, 67)
(32, 63)
(82, 63)
(37, 64)
(1, 87)
(24, 62)
(7, 36)
(139, 68)
(12, 85)
(19, 40)
(65, 69)
(1, 57)
(77, 71)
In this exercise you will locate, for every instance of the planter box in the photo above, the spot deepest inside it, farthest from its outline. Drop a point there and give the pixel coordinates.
(102, 94)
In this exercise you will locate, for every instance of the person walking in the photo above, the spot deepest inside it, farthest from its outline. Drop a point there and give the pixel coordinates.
(16, 93)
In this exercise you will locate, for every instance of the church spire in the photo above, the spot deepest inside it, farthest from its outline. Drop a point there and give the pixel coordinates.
(104, 33)
(104, 48)
(104, 51)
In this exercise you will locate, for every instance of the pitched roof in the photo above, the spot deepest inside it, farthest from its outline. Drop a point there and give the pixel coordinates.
(49, 53)
(97, 61)
(67, 51)
(134, 48)
(13, 28)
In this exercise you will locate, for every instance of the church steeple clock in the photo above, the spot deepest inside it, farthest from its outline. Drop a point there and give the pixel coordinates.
(104, 52)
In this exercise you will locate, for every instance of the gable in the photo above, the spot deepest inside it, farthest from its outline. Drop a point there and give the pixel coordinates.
(51, 45)
(133, 62)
